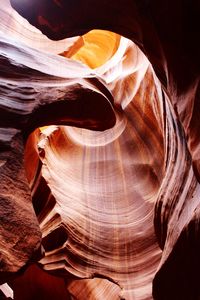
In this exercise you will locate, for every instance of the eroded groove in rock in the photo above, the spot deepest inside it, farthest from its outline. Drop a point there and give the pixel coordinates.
(104, 196)
(94, 289)
(171, 48)
(33, 95)
(149, 157)
(13, 25)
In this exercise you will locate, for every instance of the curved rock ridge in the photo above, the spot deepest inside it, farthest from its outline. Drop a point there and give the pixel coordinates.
(170, 48)
(96, 288)
(97, 214)
(35, 92)
(107, 200)
(15, 26)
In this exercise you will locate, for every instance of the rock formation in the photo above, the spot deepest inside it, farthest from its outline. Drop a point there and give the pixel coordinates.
(99, 140)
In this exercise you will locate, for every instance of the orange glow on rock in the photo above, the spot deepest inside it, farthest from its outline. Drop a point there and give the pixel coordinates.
(94, 48)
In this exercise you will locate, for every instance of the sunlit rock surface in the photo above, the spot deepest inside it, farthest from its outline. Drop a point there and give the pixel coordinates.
(114, 181)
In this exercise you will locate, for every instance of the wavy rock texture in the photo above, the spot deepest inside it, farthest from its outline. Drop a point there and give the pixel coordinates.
(120, 182)
(104, 201)
(88, 231)
(33, 95)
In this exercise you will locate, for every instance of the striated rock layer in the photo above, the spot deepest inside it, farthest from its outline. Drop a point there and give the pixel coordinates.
(104, 196)
(115, 181)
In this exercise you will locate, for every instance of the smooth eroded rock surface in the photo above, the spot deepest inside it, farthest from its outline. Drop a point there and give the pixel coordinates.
(112, 167)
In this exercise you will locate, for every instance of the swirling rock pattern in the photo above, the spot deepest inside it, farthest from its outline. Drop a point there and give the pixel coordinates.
(27, 93)
(120, 182)
(104, 204)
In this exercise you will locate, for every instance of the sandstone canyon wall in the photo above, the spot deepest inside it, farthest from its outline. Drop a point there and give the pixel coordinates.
(99, 150)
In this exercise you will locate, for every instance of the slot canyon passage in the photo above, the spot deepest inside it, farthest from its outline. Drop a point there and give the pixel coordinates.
(99, 150)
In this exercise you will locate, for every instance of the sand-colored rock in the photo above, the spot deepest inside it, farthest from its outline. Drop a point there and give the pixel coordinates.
(115, 181)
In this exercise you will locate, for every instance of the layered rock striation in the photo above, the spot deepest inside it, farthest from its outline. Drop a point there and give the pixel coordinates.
(99, 139)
